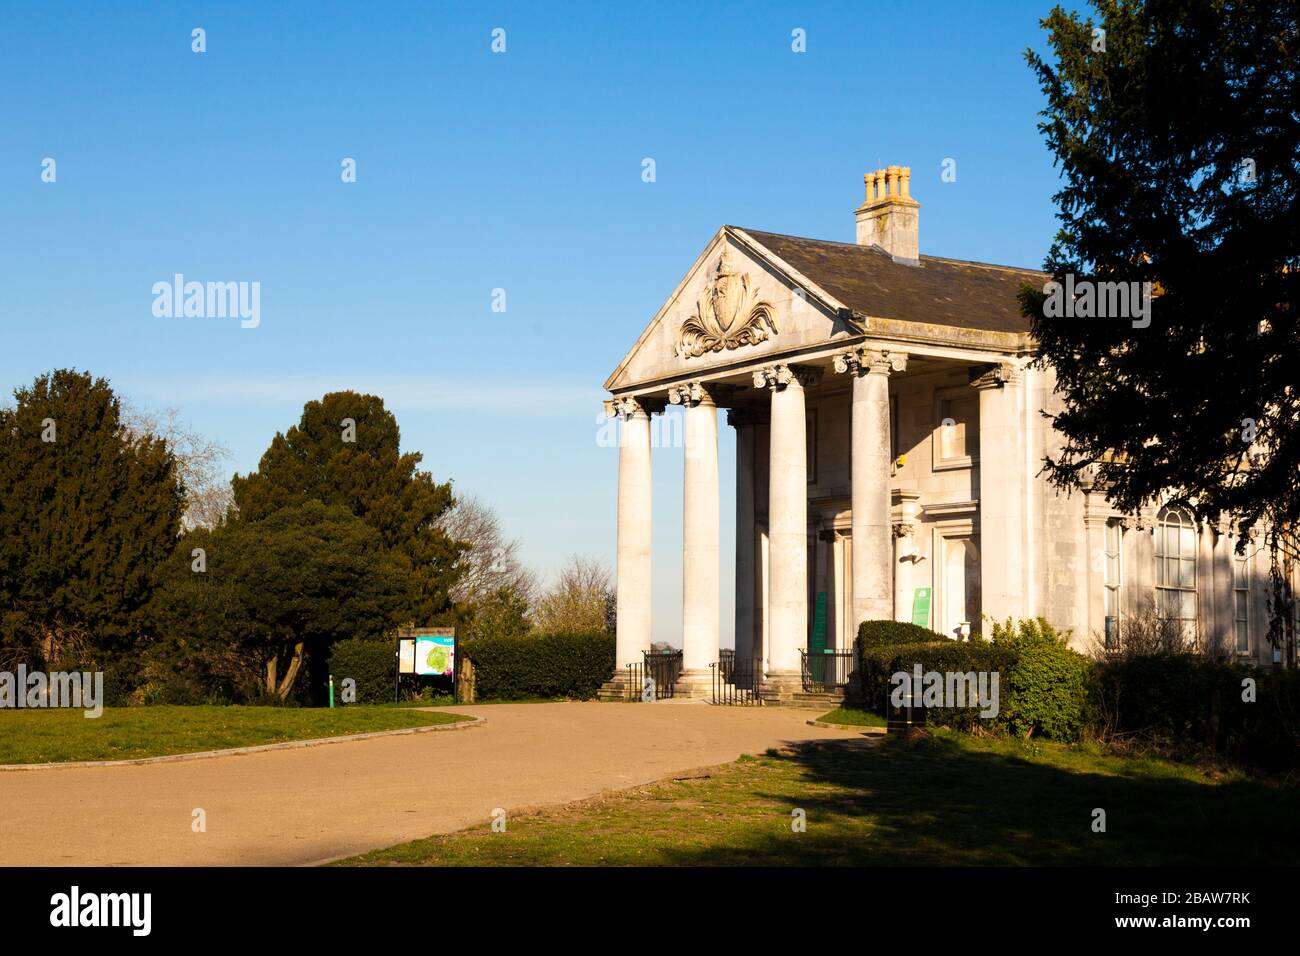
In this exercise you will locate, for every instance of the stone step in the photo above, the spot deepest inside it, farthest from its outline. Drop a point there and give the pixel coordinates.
(613, 691)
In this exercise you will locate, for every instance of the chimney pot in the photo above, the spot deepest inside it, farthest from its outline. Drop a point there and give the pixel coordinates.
(888, 217)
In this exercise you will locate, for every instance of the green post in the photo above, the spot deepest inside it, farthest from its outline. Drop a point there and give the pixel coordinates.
(331, 691)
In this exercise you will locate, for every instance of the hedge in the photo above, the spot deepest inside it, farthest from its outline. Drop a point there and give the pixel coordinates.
(553, 665)
(890, 633)
(1191, 702)
(368, 662)
(1043, 686)
(879, 664)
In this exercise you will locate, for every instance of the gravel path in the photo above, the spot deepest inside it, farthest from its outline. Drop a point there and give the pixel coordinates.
(303, 806)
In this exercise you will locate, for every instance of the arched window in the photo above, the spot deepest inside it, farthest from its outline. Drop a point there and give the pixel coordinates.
(1176, 570)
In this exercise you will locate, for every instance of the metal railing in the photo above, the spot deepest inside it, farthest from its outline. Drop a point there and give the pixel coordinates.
(825, 671)
(737, 681)
(655, 678)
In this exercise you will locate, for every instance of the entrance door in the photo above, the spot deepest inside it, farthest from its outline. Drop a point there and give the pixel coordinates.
(961, 586)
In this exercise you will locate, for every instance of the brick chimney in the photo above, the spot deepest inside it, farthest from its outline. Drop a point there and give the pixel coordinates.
(889, 216)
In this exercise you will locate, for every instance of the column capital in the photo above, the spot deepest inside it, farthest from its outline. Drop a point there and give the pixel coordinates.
(869, 361)
(690, 394)
(995, 376)
(780, 375)
(903, 529)
(625, 407)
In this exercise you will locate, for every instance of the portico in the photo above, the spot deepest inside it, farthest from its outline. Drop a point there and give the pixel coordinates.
(890, 428)
(815, 350)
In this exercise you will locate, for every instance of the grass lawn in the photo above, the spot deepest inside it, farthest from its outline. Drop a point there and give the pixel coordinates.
(126, 733)
(949, 799)
(850, 717)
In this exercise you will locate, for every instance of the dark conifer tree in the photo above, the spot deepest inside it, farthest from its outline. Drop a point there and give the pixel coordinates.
(88, 514)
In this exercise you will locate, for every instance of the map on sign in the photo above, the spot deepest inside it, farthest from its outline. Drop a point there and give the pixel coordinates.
(435, 655)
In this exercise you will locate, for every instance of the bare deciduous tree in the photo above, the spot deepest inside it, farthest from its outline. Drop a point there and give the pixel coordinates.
(198, 461)
(578, 600)
(491, 561)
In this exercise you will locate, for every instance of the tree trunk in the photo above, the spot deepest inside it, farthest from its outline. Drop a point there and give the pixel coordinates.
(271, 666)
(294, 665)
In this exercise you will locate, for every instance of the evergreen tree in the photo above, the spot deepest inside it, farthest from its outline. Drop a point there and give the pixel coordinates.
(88, 514)
(281, 590)
(345, 451)
(1176, 126)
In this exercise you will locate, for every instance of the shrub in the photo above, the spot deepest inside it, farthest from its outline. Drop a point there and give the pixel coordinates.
(502, 612)
(1188, 702)
(1043, 686)
(1047, 688)
(879, 664)
(891, 633)
(370, 663)
(551, 665)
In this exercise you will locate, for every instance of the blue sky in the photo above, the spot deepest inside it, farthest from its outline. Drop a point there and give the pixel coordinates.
(475, 171)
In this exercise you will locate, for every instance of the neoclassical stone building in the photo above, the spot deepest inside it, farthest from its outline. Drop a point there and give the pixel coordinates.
(889, 441)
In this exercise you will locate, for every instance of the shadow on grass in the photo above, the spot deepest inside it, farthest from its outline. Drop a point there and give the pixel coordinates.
(944, 800)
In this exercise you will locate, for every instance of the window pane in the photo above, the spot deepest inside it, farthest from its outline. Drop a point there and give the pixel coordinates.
(1189, 605)
(1189, 574)
(1187, 541)
(1243, 638)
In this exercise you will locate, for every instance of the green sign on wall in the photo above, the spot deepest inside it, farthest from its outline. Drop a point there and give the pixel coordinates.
(819, 622)
(921, 607)
(817, 647)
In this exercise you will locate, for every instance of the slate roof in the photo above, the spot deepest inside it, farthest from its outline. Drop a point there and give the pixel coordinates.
(950, 292)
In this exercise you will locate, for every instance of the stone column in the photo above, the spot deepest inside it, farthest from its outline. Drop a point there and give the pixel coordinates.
(761, 642)
(1001, 491)
(873, 597)
(701, 537)
(1144, 559)
(842, 635)
(742, 419)
(906, 554)
(787, 518)
(1094, 577)
(633, 560)
(1214, 607)
(1095, 517)
(1209, 634)
(904, 549)
(1225, 592)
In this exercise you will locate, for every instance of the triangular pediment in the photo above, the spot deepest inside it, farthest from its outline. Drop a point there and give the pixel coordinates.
(739, 303)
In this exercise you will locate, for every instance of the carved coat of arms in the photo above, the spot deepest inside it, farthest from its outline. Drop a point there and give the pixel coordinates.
(727, 315)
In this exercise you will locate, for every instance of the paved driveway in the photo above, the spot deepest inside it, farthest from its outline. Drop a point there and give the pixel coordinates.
(310, 805)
